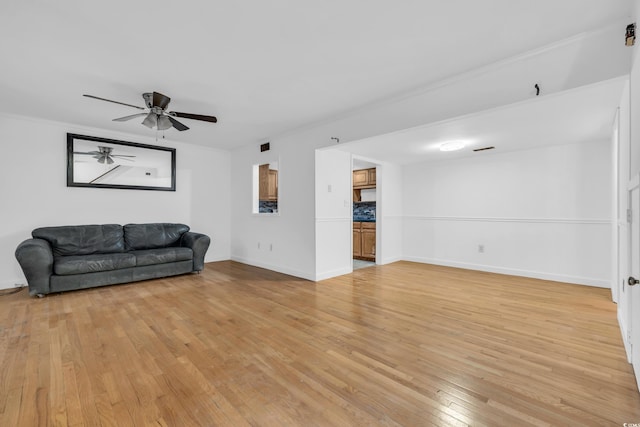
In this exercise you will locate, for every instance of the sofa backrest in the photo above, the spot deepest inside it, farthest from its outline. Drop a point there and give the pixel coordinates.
(82, 239)
(152, 236)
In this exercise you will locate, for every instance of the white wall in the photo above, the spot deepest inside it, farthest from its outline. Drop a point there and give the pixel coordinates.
(389, 208)
(334, 250)
(34, 192)
(570, 63)
(283, 242)
(334, 211)
(543, 213)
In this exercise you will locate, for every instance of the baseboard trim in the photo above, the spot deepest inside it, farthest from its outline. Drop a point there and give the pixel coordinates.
(623, 331)
(277, 268)
(217, 259)
(389, 260)
(587, 281)
(11, 284)
(333, 273)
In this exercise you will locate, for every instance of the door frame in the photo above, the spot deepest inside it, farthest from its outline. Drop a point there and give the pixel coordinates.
(632, 339)
(376, 164)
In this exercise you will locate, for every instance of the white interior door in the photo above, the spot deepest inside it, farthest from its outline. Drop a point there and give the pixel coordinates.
(631, 285)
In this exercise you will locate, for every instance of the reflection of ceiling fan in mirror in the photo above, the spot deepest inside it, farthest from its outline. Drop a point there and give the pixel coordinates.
(157, 116)
(104, 155)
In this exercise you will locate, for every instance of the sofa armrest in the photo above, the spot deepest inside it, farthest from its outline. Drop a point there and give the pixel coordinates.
(199, 243)
(36, 259)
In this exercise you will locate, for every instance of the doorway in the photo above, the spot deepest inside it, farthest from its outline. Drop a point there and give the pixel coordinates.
(365, 201)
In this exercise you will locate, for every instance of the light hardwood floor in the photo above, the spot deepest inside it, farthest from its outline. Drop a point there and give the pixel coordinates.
(402, 344)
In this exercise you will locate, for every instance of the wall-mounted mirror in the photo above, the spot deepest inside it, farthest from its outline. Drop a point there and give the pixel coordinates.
(265, 188)
(108, 163)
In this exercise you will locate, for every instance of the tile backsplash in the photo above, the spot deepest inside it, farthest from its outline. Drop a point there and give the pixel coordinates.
(364, 210)
(266, 206)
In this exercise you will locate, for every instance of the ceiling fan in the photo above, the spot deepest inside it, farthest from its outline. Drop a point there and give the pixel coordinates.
(104, 155)
(157, 116)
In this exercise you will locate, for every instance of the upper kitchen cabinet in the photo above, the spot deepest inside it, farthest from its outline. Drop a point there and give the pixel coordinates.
(364, 178)
(268, 183)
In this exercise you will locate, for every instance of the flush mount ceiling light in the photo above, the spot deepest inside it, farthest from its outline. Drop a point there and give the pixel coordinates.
(452, 146)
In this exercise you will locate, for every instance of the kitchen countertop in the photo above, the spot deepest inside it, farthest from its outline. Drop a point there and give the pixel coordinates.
(360, 219)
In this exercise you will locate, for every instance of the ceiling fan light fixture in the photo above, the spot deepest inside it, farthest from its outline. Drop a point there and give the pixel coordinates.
(164, 123)
(150, 121)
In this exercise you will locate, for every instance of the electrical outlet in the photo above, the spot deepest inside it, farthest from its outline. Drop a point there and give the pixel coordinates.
(270, 246)
(258, 245)
(481, 249)
(329, 188)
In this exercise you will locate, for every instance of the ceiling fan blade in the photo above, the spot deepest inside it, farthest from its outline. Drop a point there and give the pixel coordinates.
(124, 158)
(125, 118)
(115, 102)
(121, 155)
(201, 117)
(91, 153)
(177, 124)
(160, 100)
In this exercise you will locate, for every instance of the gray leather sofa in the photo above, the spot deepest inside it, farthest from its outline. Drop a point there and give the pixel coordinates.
(65, 258)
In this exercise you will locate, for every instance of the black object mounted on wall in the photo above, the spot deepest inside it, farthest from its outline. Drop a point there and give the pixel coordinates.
(630, 35)
(109, 163)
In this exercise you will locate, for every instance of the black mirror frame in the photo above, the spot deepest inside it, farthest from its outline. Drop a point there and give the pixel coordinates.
(70, 178)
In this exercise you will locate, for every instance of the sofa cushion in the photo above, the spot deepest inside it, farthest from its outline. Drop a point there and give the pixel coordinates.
(80, 264)
(152, 236)
(162, 255)
(82, 239)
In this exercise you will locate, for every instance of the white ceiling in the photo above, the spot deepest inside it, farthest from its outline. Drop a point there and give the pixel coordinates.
(583, 114)
(261, 67)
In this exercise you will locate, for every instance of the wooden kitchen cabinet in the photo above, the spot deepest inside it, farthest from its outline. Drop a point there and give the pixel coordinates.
(268, 183)
(357, 240)
(364, 240)
(372, 176)
(272, 193)
(364, 178)
(360, 178)
(368, 236)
